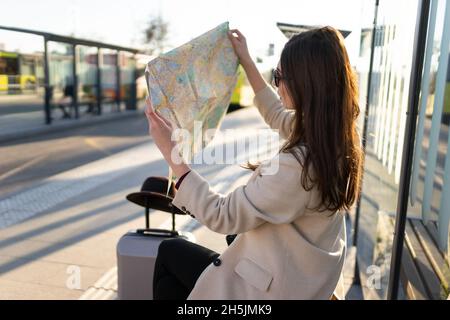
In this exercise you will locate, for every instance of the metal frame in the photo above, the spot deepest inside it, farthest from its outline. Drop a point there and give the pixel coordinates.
(364, 135)
(71, 40)
(118, 82)
(134, 91)
(366, 114)
(99, 82)
(408, 147)
(75, 82)
(48, 114)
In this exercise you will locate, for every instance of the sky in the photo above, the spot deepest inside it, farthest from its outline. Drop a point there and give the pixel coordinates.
(122, 22)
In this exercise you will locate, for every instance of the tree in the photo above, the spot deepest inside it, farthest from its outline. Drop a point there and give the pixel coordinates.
(156, 35)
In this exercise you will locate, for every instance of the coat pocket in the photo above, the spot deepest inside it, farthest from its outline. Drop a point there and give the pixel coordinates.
(254, 274)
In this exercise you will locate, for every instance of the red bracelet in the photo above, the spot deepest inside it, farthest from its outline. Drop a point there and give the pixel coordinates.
(177, 185)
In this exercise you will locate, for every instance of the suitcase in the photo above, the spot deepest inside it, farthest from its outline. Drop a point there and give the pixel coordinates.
(137, 249)
(136, 256)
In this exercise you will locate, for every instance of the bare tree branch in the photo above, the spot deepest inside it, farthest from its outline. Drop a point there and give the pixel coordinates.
(155, 35)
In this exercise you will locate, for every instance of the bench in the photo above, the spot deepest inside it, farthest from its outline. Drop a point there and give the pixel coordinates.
(66, 108)
(425, 272)
(87, 97)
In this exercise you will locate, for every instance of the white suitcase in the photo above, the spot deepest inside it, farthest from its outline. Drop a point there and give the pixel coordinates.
(137, 249)
(136, 256)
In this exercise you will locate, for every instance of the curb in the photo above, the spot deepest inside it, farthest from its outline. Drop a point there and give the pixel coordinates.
(77, 123)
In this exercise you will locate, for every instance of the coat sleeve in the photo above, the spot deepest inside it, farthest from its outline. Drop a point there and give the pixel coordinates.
(273, 195)
(273, 112)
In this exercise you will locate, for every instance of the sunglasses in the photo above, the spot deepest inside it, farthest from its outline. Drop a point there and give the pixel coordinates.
(277, 77)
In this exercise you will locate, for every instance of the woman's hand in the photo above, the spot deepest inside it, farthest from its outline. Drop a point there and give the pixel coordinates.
(240, 46)
(161, 131)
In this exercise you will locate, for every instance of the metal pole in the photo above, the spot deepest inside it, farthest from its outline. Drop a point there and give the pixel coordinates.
(75, 81)
(133, 89)
(366, 115)
(118, 81)
(420, 37)
(99, 84)
(47, 93)
(364, 135)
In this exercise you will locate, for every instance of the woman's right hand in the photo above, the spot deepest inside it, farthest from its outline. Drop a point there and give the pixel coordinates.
(240, 46)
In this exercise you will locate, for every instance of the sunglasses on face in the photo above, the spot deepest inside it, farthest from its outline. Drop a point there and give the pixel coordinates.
(276, 74)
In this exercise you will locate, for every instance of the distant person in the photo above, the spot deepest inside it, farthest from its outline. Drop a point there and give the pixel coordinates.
(291, 241)
(65, 103)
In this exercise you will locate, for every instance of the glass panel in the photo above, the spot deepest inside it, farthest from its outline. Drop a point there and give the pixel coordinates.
(87, 73)
(363, 62)
(429, 211)
(394, 41)
(22, 85)
(127, 64)
(61, 59)
(109, 80)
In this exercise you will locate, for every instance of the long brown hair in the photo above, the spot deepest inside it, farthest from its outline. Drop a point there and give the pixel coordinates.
(322, 86)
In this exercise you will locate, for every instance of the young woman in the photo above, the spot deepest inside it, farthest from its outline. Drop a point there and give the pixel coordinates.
(291, 241)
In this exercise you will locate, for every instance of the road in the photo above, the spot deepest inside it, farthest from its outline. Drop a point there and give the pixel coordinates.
(30, 160)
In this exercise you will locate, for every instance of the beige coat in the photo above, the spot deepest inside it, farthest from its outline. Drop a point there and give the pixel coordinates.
(284, 250)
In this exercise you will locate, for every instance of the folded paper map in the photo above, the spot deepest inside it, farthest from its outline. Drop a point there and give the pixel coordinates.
(192, 84)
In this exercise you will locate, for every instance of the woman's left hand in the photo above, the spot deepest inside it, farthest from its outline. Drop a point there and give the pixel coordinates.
(161, 131)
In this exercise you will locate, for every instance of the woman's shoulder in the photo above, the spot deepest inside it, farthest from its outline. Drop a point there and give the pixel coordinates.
(295, 154)
(283, 163)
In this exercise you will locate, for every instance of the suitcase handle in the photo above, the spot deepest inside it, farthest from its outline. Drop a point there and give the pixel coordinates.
(158, 232)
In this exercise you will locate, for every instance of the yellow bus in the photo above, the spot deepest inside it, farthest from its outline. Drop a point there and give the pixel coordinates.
(243, 92)
(19, 72)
